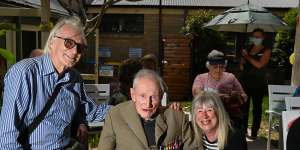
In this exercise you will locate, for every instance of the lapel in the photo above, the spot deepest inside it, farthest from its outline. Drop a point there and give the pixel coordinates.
(160, 126)
(134, 122)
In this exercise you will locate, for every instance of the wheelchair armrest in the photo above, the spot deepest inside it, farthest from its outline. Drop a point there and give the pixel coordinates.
(273, 112)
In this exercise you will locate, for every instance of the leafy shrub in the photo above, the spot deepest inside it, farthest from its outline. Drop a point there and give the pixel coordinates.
(203, 39)
(285, 39)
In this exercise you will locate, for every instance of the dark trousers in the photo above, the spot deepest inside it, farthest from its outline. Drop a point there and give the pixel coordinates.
(256, 95)
(238, 124)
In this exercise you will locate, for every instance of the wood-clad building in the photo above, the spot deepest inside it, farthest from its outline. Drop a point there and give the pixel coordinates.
(128, 29)
(152, 26)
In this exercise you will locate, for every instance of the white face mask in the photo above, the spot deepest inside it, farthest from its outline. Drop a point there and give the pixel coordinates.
(256, 41)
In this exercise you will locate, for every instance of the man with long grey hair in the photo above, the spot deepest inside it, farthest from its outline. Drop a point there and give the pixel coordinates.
(42, 95)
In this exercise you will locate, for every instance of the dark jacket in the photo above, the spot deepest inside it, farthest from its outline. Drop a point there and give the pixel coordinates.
(236, 141)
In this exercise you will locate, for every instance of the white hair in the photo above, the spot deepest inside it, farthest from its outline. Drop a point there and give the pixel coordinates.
(207, 64)
(213, 54)
(152, 75)
(73, 21)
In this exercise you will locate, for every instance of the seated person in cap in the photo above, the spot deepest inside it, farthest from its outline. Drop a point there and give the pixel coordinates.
(141, 123)
(223, 83)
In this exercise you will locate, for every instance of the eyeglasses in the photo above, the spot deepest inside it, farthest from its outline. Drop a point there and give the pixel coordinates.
(69, 44)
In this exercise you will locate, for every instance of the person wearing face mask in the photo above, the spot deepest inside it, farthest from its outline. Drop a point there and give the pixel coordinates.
(253, 63)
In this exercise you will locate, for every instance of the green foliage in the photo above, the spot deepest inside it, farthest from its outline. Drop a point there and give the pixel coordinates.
(194, 24)
(278, 57)
(4, 27)
(8, 56)
(194, 28)
(93, 140)
(290, 18)
(285, 39)
(203, 39)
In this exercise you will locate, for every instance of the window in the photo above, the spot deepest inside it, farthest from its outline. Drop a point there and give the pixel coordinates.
(120, 23)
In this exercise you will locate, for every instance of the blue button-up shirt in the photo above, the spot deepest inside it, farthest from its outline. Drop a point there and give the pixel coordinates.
(27, 87)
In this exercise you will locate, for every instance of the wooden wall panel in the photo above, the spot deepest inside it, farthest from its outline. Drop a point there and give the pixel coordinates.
(176, 69)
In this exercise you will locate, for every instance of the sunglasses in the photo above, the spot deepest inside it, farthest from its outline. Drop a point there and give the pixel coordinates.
(69, 44)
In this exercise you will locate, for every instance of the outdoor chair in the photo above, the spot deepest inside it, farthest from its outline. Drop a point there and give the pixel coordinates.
(292, 103)
(277, 94)
(99, 93)
(287, 118)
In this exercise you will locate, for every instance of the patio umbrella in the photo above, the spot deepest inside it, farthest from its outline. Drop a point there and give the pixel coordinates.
(245, 18)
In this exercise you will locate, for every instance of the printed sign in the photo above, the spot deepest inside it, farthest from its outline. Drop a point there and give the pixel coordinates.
(135, 52)
(106, 71)
(105, 52)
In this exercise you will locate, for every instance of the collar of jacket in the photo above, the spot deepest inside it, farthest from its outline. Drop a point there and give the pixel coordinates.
(135, 124)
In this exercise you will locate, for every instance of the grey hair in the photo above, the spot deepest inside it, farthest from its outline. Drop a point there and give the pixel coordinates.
(212, 99)
(73, 21)
(212, 54)
(207, 64)
(152, 75)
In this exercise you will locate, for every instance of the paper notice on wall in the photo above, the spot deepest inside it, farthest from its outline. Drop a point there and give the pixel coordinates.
(135, 52)
(105, 52)
(106, 71)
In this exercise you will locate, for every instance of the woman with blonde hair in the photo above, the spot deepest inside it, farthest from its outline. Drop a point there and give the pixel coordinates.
(212, 126)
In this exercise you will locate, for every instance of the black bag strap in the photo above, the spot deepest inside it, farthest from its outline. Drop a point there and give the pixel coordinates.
(23, 138)
(37, 120)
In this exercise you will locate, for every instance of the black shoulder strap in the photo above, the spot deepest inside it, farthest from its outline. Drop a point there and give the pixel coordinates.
(37, 120)
(23, 138)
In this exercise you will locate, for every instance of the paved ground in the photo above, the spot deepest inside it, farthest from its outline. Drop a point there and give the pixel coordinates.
(259, 144)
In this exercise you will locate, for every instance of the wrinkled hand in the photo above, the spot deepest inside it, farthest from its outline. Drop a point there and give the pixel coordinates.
(245, 54)
(245, 97)
(224, 97)
(175, 106)
(82, 133)
(236, 95)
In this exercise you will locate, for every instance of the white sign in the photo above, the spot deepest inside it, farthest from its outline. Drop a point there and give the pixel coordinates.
(135, 52)
(104, 52)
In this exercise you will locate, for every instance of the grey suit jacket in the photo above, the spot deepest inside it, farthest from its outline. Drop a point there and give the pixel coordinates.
(123, 129)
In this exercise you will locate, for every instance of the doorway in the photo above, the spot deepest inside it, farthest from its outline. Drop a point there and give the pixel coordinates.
(29, 40)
